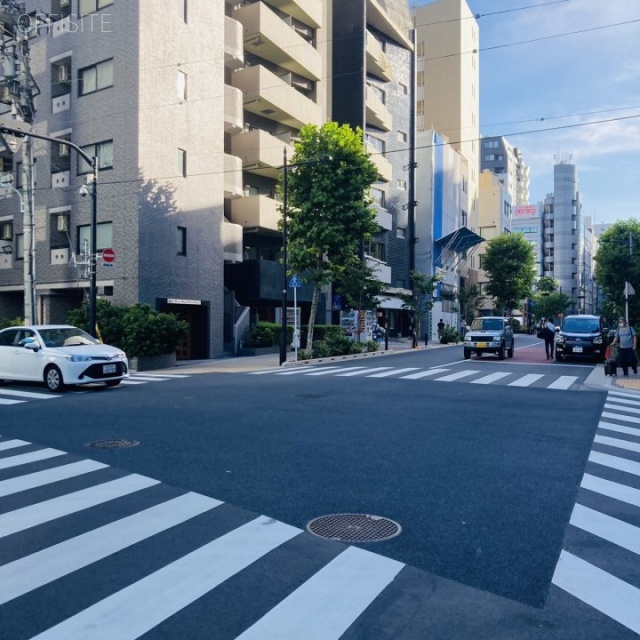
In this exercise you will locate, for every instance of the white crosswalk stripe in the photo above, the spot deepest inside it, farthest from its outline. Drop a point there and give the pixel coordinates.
(597, 574)
(321, 607)
(436, 374)
(16, 396)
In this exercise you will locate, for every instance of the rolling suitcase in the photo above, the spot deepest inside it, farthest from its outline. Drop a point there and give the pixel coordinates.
(610, 367)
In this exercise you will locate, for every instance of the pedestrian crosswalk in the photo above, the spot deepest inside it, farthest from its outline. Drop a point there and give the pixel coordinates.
(437, 374)
(10, 396)
(113, 517)
(601, 551)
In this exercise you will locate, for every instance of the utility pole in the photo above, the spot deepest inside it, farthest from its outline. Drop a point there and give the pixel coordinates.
(18, 90)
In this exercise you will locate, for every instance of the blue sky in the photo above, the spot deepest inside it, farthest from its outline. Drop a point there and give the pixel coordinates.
(590, 76)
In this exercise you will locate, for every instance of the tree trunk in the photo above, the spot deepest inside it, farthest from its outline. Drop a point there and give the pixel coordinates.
(312, 315)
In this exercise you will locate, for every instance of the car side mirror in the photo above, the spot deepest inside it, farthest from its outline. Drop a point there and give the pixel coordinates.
(33, 345)
(557, 329)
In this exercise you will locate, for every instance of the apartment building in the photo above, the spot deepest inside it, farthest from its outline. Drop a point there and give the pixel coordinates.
(564, 244)
(372, 69)
(189, 110)
(507, 162)
(279, 84)
(527, 219)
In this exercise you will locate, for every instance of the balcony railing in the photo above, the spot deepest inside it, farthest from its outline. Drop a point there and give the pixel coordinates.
(233, 45)
(233, 110)
(232, 176)
(260, 152)
(256, 212)
(377, 61)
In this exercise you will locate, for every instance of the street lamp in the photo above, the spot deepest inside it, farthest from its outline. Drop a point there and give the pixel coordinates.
(23, 130)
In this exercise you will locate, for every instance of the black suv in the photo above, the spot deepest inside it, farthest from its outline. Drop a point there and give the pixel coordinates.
(582, 337)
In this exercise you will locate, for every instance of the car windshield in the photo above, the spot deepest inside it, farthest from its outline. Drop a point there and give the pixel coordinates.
(66, 337)
(581, 325)
(487, 324)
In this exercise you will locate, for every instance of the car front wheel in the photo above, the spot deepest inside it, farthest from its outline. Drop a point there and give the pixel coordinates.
(501, 352)
(53, 379)
(510, 351)
(467, 354)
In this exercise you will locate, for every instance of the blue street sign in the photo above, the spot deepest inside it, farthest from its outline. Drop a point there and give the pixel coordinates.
(295, 283)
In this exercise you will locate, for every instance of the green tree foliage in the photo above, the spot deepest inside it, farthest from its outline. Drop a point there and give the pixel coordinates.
(470, 300)
(139, 330)
(549, 305)
(510, 265)
(546, 285)
(357, 284)
(617, 262)
(420, 301)
(328, 211)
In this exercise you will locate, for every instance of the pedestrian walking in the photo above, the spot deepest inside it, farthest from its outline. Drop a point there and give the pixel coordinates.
(627, 339)
(549, 334)
(440, 327)
(463, 328)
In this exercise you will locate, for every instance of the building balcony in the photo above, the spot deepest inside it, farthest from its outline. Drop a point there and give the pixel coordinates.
(377, 61)
(269, 37)
(232, 242)
(267, 95)
(383, 218)
(548, 244)
(381, 19)
(307, 11)
(233, 44)
(377, 113)
(233, 110)
(256, 212)
(381, 270)
(232, 177)
(61, 103)
(385, 170)
(261, 152)
(549, 260)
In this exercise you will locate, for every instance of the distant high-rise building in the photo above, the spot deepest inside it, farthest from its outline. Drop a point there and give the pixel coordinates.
(564, 253)
(507, 162)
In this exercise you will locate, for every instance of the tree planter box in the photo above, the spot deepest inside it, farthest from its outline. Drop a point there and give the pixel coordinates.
(149, 363)
(259, 351)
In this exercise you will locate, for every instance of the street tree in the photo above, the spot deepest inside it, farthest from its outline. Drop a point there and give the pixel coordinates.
(329, 213)
(470, 299)
(550, 305)
(617, 262)
(509, 262)
(358, 285)
(420, 301)
(546, 285)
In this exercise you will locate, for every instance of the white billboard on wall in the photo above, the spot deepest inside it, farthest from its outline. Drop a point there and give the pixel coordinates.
(525, 211)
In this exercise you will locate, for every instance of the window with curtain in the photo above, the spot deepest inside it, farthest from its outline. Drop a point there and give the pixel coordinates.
(103, 151)
(96, 77)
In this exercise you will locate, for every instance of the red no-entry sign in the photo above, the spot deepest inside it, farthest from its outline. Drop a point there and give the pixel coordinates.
(108, 255)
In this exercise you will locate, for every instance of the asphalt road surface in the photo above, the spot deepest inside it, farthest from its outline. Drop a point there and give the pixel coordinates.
(494, 470)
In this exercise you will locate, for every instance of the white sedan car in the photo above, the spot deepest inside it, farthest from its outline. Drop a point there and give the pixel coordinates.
(59, 355)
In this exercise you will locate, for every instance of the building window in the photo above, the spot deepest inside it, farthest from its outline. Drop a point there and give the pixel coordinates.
(103, 151)
(377, 195)
(402, 184)
(182, 163)
(403, 88)
(490, 144)
(376, 250)
(378, 92)
(18, 175)
(19, 246)
(60, 155)
(182, 85)
(60, 9)
(96, 77)
(463, 218)
(61, 78)
(376, 143)
(403, 136)
(91, 6)
(104, 237)
(185, 11)
(401, 232)
(181, 241)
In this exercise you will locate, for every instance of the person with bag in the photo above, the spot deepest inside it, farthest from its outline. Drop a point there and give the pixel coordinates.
(549, 335)
(627, 339)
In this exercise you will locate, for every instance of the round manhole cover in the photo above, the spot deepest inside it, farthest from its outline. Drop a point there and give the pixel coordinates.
(354, 527)
(113, 444)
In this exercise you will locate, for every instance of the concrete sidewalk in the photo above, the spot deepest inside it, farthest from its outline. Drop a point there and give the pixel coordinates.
(272, 360)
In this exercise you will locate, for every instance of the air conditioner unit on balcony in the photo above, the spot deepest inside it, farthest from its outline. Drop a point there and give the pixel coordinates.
(6, 231)
(63, 222)
(64, 73)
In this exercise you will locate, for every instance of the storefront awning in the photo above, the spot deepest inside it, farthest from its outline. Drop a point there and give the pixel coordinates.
(460, 240)
(390, 302)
